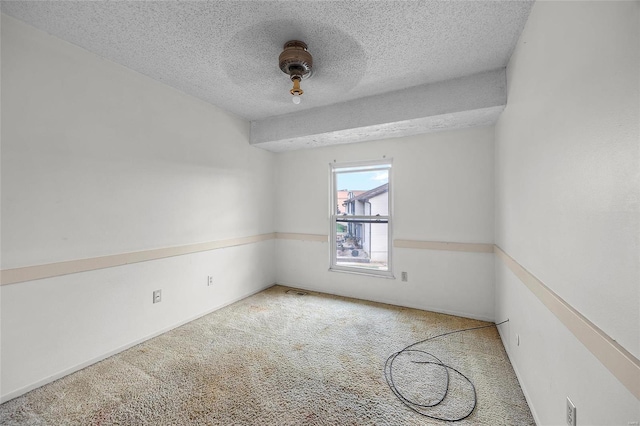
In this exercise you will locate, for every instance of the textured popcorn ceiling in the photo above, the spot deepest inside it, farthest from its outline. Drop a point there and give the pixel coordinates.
(226, 52)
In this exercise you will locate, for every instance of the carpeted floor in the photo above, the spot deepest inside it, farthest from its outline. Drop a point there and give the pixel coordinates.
(279, 358)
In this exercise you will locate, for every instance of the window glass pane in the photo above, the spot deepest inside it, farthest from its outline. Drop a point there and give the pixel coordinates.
(363, 193)
(363, 245)
(361, 218)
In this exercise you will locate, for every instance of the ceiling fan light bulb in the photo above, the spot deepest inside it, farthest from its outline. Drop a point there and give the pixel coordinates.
(296, 99)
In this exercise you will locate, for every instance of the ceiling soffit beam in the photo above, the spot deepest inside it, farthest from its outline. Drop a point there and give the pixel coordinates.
(475, 100)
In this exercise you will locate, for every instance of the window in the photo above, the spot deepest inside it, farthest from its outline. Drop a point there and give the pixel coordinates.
(361, 218)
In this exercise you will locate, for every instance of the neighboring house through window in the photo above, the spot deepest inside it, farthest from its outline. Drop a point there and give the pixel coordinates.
(361, 218)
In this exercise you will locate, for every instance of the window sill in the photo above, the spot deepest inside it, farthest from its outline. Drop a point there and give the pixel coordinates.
(387, 275)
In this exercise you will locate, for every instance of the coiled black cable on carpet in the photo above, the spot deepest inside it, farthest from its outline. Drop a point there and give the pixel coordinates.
(419, 407)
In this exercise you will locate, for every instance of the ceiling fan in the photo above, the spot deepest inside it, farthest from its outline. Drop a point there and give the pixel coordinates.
(297, 63)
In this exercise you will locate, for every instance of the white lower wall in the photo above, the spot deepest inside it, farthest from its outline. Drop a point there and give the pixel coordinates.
(54, 326)
(552, 364)
(455, 283)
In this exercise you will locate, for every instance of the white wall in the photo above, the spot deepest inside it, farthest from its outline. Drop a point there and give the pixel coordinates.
(567, 196)
(100, 160)
(442, 191)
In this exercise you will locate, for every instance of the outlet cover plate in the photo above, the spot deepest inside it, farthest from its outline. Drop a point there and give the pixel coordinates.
(571, 413)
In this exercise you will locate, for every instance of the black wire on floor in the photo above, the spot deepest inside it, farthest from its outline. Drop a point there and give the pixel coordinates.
(417, 406)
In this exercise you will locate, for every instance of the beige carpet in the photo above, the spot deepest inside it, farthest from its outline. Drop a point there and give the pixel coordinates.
(279, 358)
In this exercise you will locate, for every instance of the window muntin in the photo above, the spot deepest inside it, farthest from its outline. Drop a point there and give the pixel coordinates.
(361, 217)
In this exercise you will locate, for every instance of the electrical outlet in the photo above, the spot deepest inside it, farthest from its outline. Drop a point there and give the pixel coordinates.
(157, 296)
(571, 413)
(405, 276)
(209, 280)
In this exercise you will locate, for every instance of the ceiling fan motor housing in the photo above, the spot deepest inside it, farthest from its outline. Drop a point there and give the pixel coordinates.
(295, 60)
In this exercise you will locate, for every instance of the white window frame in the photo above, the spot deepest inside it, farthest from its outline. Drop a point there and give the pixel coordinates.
(359, 166)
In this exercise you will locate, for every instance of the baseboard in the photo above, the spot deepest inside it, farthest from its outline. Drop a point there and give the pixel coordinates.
(394, 303)
(520, 382)
(66, 372)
